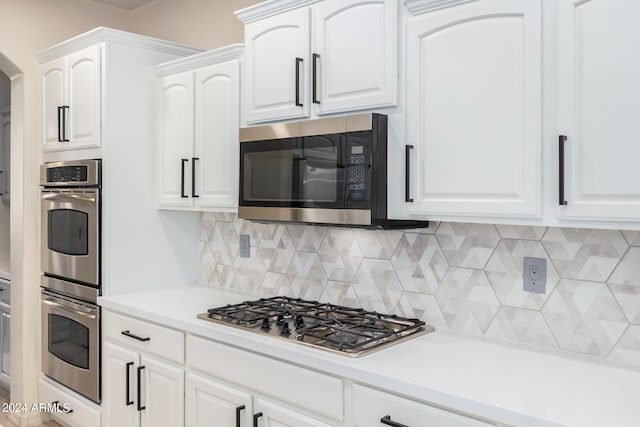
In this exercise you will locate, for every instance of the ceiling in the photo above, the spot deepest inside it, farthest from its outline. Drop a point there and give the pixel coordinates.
(125, 4)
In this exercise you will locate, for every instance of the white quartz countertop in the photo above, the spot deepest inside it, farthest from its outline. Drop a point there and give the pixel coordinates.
(514, 384)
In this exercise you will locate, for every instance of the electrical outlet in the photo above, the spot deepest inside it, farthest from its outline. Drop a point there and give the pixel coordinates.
(244, 246)
(535, 275)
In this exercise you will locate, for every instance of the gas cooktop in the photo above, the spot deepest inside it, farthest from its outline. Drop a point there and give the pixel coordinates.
(348, 331)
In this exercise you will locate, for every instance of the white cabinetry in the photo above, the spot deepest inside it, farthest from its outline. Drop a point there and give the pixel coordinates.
(303, 56)
(71, 108)
(474, 111)
(373, 407)
(208, 400)
(68, 408)
(143, 383)
(5, 154)
(198, 119)
(598, 92)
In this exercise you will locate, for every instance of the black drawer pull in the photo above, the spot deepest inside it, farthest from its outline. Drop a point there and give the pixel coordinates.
(298, 62)
(140, 407)
(135, 337)
(562, 139)
(255, 419)
(193, 176)
(238, 410)
(314, 78)
(387, 420)
(129, 401)
(182, 193)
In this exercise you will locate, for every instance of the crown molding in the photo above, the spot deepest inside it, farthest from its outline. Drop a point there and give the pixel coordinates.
(104, 34)
(417, 7)
(270, 8)
(210, 57)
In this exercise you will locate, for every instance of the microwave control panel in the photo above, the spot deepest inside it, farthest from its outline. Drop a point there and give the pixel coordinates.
(358, 175)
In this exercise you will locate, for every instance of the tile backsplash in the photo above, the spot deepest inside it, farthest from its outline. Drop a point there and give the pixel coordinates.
(465, 277)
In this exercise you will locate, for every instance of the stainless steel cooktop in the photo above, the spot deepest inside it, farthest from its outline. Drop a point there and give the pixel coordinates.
(348, 331)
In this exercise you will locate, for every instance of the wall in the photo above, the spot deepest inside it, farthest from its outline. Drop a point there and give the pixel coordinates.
(5, 101)
(206, 24)
(463, 277)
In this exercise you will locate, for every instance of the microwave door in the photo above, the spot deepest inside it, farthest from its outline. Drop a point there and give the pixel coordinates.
(323, 172)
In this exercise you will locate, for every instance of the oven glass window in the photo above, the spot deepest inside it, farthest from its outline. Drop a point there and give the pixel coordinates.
(69, 341)
(68, 231)
(300, 172)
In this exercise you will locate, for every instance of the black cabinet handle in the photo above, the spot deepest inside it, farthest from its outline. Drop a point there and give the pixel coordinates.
(135, 337)
(1, 189)
(407, 173)
(129, 401)
(561, 142)
(140, 407)
(59, 124)
(387, 420)
(56, 403)
(314, 78)
(64, 123)
(255, 419)
(298, 62)
(238, 410)
(184, 196)
(193, 176)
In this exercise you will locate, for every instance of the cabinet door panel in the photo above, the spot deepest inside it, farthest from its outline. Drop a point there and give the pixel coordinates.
(357, 69)
(162, 395)
(209, 403)
(115, 411)
(83, 122)
(474, 115)
(176, 139)
(53, 89)
(216, 134)
(598, 69)
(272, 46)
(277, 416)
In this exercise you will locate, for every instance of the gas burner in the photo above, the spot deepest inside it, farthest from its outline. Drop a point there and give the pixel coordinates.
(344, 330)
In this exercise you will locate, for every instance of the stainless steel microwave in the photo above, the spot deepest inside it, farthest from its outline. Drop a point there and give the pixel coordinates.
(325, 171)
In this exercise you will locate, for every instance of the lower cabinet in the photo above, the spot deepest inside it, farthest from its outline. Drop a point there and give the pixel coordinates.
(67, 407)
(211, 403)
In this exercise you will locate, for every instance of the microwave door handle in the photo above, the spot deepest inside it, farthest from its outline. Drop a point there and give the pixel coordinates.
(69, 197)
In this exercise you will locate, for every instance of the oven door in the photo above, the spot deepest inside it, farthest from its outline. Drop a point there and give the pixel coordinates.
(71, 343)
(70, 229)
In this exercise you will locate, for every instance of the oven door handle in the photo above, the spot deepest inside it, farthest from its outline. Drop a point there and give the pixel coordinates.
(68, 196)
(71, 307)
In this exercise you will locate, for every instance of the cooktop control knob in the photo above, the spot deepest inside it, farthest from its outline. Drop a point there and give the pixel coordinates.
(265, 324)
(284, 329)
(299, 321)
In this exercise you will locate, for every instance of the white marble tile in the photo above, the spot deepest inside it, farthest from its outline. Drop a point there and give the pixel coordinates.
(306, 275)
(249, 272)
(625, 284)
(377, 286)
(340, 293)
(276, 248)
(419, 306)
(207, 263)
(467, 245)
(224, 243)
(207, 222)
(584, 254)
(340, 254)
(505, 272)
(521, 325)
(253, 229)
(419, 263)
(520, 231)
(633, 237)
(467, 300)
(433, 226)
(377, 243)
(307, 238)
(276, 284)
(223, 276)
(584, 317)
(628, 348)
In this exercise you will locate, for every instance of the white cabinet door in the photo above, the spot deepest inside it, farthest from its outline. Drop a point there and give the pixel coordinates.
(162, 394)
(474, 110)
(119, 386)
(217, 120)
(53, 98)
(598, 93)
(269, 414)
(5, 157)
(209, 403)
(176, 139)
(277, 69)
(356, 41)
(84, 112)
(371, 406)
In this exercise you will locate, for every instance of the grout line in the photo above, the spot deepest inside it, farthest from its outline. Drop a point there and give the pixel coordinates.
(613, 347)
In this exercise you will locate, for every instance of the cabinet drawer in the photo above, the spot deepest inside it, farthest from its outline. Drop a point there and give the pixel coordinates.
(370, 406)
(301, 387)
(147, 337)
(80, 414)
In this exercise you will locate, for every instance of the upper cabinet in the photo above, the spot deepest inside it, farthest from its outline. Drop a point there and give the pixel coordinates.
(198, 120)
(306, 60)
(71, 91)
(91, 90)
(474, 103)
(598, 91)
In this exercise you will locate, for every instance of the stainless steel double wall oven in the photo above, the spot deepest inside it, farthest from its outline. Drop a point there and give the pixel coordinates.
(71, 280)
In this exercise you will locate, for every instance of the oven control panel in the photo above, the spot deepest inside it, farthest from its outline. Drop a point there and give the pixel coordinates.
(67, 174)
(75, 173)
